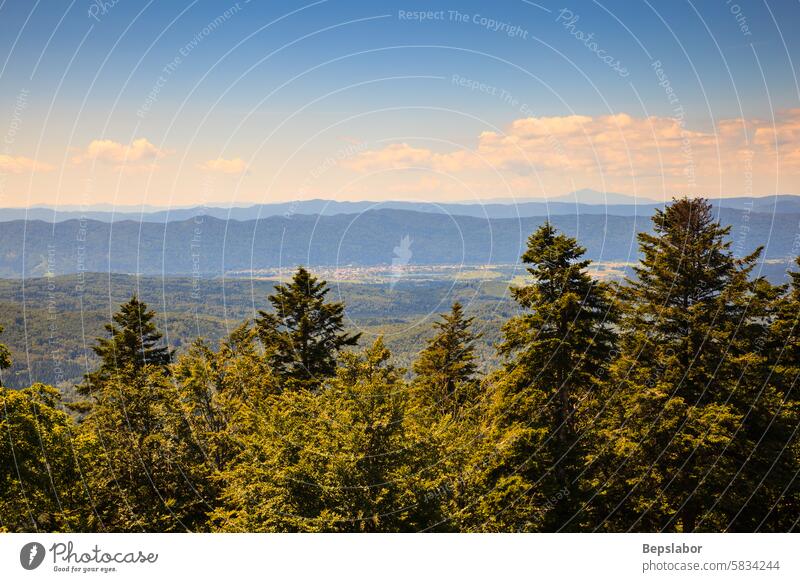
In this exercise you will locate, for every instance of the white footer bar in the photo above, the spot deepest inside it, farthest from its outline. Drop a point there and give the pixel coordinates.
(354, 557)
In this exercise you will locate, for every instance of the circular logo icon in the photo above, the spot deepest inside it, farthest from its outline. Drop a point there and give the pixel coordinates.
(31, 555)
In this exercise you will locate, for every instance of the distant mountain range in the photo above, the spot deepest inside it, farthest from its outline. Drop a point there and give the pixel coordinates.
(582, 202)
(210, 246)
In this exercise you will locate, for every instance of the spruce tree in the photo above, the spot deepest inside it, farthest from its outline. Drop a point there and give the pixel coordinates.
(554, 354)
(304, 332)
(768, 484)
(446, 369)
(149, 472)
(133, 343)
(685, 397)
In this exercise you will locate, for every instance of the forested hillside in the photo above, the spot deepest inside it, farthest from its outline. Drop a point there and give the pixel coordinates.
(51, 338)
(212, 247)
(664, 402)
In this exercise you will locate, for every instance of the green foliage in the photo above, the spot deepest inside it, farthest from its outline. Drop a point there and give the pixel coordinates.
(148, 468)
(218, 390)
(55, 350)
(555, 353)
(446, 370)
(5, 356)
(304, 332)
(667, 403)
(147, 471)
(356, 467)
(41, 485)
(134, 342)
(688, 397)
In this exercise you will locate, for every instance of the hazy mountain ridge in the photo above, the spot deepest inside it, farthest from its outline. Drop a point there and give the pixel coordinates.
(209, 246)
(580, 202)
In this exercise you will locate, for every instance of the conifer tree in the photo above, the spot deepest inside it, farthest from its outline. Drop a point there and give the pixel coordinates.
(134, 342)
(446, 368)
(688, 389)
(555, 353)
(766, 488)
(304, 332)
(148, 472)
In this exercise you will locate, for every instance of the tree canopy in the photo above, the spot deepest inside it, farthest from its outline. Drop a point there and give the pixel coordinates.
(666, 402)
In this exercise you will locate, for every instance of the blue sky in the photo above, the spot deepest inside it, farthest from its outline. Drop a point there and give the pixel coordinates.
(250, 101)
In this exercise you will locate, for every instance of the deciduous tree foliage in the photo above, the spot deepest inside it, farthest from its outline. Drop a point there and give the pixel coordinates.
(41, 484)
(668, 402)
(357, 467)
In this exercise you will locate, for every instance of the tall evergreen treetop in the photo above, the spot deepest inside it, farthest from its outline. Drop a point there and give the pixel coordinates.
(568, 318)
(304, 332)
(692, 298)
(687, 259)
(133, 343)
(446, 369)
(690, 394)
(555, 353)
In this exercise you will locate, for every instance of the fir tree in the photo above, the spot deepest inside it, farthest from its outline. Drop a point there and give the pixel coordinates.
(688, 387)
(446, 369)
(133, 343)
(555, 353)
(304, 332)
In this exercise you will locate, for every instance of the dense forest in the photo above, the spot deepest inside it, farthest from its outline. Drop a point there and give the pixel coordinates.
(665, 402)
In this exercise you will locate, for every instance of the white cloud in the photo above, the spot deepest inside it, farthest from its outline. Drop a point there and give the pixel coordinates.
(618, 151)
(139, 155)
(21, 165)
(223, 166)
